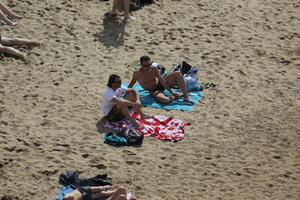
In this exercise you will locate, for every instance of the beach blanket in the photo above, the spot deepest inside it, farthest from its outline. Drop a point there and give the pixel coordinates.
(64, 190)
(160, 127)
(177, 104)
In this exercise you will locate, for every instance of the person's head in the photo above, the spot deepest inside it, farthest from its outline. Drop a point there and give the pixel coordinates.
(114, 81)
(131, 95)
(145, 61)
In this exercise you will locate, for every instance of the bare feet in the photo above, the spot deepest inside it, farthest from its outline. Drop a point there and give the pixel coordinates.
(146, 116)
(22, 56)
(177, 94)
(130, 196)
(34, 43)
(18, 17)
(11, 23)
(126, 18)
(136, 124)
(187, 99)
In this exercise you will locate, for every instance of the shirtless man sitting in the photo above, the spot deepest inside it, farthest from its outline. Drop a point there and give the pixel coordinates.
(150, 79)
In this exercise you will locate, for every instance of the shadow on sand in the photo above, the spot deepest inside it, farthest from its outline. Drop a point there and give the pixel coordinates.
(113, 32)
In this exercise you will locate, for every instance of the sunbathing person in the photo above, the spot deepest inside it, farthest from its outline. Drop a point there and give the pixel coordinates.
(5, 11)
(117, 102)
(124, 5)
(90, 193)
(150, 79)
(16, 41)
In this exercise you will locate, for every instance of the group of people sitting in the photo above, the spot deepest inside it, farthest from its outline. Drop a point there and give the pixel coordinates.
(117, 100)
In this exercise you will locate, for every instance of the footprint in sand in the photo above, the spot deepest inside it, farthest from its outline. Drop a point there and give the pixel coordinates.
(132, 162)
(99, 166)
(129, 153)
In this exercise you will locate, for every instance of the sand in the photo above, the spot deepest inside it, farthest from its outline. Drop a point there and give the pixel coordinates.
(244, 139)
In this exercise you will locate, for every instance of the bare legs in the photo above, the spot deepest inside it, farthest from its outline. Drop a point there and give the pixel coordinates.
(118, 194)
(16, 41)
(12, 51)
(170, 79)
(132, 96)
(114, 11)
(98, 192)
(5, 11)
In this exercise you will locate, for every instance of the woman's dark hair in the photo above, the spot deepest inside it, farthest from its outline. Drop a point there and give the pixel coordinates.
(144, 58)
(112, 79)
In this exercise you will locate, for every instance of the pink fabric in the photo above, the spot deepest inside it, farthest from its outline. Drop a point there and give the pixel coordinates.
(160, 127)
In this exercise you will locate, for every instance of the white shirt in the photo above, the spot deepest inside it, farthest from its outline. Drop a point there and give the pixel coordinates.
(107, 104)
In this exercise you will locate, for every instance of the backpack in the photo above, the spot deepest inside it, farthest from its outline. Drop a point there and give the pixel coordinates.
(192, 84)
(160, 67)
(133, 137)
(186, 70)
(69, 178)
(115, 139)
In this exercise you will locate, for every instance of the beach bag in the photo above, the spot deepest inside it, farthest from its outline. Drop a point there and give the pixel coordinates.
(192, 84)
(186, 70)
(143, 2)
(69, 178)
(115, 139)
(133, 137)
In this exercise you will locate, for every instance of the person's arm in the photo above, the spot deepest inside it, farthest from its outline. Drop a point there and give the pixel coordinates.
(133, 80)
(163, 82)
(124, 102)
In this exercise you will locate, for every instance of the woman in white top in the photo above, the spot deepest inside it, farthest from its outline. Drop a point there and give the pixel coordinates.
(117, 102)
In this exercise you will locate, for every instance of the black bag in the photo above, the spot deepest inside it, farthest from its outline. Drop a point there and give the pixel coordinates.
(146, 1)
(133, 137)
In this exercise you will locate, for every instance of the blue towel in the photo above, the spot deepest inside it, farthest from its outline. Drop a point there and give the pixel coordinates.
(63, 190)
(177, 104)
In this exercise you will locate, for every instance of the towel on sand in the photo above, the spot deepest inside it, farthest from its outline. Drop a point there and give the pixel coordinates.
(160, 127)
(177, 104)
(64, 190)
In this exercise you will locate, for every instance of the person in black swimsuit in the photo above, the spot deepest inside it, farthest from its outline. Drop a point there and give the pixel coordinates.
(149, 78)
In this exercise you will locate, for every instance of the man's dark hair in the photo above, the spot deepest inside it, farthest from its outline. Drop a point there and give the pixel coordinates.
(112, 79)
(144, 58)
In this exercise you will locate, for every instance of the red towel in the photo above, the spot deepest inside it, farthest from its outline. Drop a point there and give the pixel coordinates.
(160, 127)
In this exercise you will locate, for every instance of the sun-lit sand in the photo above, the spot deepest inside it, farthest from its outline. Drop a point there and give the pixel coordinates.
(244, 139)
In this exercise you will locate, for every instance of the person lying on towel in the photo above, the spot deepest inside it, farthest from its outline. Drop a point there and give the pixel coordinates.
(97, 192)
(150, 79)
(118, 100)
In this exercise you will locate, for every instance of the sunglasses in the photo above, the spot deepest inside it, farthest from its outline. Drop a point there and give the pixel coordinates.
(147, 65)
(119, 82)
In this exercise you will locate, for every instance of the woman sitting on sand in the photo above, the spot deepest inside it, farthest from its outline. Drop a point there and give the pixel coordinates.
(5, 11)
(16, 41)
(103, 192)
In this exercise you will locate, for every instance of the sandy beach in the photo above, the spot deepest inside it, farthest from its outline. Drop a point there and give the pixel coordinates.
(243, 142)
